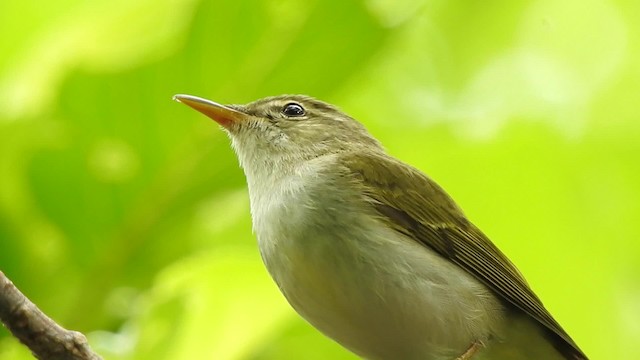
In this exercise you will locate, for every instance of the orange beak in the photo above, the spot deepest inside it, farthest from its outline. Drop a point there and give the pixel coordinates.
(223, 115)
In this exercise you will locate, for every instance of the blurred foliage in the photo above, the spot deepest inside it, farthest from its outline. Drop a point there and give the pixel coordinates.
(124, 214)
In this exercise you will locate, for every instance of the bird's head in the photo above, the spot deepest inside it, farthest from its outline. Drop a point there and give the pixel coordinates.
(284, 131)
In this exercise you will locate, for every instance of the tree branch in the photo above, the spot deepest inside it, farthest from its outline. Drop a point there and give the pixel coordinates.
(46, 339)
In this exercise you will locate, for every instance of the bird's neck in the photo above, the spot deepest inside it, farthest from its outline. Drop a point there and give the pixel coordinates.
(287, 177)
(282, 193)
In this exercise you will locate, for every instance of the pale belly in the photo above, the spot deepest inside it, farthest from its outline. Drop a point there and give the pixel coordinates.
(381, 295)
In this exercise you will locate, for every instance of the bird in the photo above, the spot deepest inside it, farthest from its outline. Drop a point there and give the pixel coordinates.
(371, 251)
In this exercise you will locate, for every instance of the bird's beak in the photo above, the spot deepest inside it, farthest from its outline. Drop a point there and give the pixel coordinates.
(223, 115)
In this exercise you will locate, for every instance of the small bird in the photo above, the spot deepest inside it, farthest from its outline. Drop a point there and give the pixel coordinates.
(371, 251)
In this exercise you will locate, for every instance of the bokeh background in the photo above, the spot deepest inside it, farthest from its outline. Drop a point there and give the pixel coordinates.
(125, 215)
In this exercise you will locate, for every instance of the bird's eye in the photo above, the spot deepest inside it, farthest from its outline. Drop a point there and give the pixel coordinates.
(293, 110)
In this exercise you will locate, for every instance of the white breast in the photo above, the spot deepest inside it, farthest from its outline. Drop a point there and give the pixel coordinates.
(376, 292)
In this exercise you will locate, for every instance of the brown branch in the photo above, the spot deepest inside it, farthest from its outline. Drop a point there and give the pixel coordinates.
(46, 339)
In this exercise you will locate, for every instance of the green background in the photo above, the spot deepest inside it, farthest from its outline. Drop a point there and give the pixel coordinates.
(125, 215)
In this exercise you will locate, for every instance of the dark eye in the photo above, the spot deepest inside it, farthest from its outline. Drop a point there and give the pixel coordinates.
(293, 110)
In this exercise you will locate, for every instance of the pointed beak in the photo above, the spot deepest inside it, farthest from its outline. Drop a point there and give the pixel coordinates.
(223, 115)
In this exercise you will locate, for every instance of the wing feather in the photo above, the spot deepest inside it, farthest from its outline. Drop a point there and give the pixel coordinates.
(416, 206)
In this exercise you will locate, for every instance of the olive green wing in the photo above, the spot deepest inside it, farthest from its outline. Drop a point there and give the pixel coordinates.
(417, 207)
